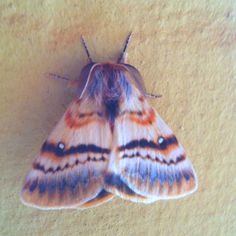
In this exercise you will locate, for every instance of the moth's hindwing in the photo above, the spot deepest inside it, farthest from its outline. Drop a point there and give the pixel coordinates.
(147, 162)
(69, 171)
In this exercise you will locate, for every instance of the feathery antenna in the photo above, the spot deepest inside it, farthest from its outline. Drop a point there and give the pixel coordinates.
(122, 55)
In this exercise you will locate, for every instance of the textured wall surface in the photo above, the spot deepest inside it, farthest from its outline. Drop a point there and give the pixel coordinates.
(185, 50)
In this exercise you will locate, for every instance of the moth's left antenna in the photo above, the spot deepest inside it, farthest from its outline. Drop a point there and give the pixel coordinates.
(86, 49)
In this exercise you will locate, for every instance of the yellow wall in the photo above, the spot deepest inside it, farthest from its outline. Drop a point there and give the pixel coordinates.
(185, 51)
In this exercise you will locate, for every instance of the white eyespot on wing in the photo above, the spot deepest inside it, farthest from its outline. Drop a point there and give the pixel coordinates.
(69, 171)
(150, 162)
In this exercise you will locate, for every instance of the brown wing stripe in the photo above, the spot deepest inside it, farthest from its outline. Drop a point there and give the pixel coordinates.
(60, 150)
(37, 166)
(156, 159)
(144, 143)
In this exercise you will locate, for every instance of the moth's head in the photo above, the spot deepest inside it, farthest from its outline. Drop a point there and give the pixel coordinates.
(108, 75)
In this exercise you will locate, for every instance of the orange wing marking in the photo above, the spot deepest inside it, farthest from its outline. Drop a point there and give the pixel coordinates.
(76, 121)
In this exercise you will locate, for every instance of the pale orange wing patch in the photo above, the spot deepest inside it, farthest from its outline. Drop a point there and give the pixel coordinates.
(69, 171)
(147, 160)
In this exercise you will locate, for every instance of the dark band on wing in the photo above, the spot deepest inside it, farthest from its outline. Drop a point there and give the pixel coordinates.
(60, 150)
(37, 166)
(156, 159)
(74, 182)
(144, 143)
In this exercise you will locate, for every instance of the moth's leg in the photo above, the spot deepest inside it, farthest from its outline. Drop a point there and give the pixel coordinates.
(56, 76)
(151, 95)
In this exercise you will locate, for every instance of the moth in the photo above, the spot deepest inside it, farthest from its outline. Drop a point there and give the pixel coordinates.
(110, 142)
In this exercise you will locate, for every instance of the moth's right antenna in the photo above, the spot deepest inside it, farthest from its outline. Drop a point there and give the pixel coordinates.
(122, 55)
(86, 49)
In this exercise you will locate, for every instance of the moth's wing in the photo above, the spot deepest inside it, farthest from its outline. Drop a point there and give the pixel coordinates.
(147, 162)
(69, 171)
(99, 199)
